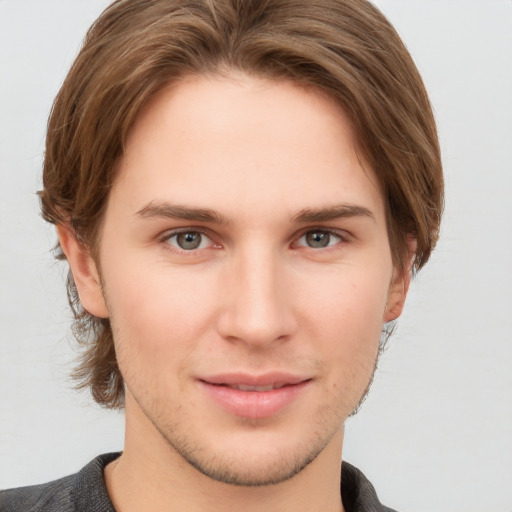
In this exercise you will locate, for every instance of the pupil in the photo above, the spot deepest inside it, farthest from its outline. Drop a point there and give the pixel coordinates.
(318, 239)
(189, 240)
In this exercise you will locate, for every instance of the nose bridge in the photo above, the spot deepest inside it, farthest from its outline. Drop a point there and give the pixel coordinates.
(258, 309)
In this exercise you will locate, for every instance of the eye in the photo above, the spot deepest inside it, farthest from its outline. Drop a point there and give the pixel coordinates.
(319, 239)
(188, 240)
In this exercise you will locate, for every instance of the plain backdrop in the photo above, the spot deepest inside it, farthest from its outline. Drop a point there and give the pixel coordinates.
(436, 430)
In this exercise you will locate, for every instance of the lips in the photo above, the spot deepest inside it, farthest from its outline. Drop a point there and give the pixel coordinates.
(244, 387)
(253, 396)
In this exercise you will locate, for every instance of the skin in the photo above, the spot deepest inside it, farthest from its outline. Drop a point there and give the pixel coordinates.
(271, 288)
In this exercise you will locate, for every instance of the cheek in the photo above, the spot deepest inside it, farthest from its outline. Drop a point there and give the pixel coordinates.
(345, 319)
(158, 313)
(348, 301)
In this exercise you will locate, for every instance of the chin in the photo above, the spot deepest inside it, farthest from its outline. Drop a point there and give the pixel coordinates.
(242, 471)
(252, 460)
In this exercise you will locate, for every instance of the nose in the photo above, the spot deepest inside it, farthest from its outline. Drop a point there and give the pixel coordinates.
(257, 307)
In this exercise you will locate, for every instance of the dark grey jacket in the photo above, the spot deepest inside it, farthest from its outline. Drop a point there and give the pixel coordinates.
(85, 492)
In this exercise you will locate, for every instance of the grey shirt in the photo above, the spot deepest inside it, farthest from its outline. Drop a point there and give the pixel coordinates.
(85, 491)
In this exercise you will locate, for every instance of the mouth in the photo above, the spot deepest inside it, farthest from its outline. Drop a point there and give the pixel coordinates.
(246, 387)
(255, 397)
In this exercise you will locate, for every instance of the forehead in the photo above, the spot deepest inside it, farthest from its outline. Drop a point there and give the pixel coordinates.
(243, 142)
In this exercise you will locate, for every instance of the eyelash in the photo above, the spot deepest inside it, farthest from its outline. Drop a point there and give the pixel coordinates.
(329, 233)
(164, 240)
(343, 237)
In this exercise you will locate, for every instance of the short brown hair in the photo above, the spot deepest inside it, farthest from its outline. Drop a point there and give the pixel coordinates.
(345, 48)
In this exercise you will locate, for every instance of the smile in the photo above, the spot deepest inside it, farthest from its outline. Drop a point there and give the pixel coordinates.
(244, 387)
(254, 397)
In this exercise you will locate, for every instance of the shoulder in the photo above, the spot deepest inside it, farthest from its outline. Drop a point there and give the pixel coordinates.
(52, 496)
(357, 492)
(84, 490)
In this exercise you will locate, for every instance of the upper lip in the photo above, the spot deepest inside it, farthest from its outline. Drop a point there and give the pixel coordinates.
(246, 379)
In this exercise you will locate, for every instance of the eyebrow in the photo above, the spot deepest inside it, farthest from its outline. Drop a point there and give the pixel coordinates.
(307, 215)
(331, 213)
(170, 211)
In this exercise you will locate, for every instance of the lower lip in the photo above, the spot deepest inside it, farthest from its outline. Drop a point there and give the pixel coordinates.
(254, 404)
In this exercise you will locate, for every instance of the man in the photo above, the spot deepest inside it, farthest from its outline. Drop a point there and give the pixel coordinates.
(242, 190)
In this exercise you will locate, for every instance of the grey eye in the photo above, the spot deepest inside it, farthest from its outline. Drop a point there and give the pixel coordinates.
(318, 239)
(189, 240)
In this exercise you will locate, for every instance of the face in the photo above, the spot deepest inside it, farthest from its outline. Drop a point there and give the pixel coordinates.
(247, 273)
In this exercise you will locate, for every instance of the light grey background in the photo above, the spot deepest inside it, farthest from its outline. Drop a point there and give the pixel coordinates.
(436, 431)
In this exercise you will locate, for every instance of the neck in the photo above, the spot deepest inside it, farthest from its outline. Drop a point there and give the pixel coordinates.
(150, 475)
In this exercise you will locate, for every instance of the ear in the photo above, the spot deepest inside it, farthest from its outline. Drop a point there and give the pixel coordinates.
(400, 284)
(85, 273)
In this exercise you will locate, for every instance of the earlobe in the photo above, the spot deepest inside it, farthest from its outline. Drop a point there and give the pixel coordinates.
(400, 285)
(85, 273)
(397, 294)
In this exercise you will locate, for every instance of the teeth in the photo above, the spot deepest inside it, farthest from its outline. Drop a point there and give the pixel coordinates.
(243, 387)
